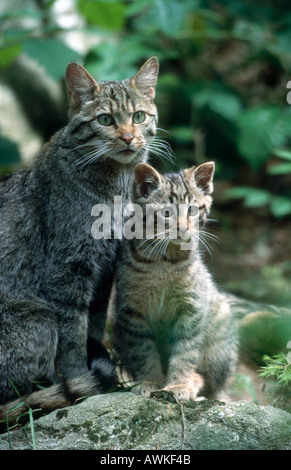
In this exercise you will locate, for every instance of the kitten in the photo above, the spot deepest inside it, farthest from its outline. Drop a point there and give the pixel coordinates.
(173, 330)
(55, 277)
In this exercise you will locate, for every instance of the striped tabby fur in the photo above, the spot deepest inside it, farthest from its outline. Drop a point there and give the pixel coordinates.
(55, 278)
(173, 330)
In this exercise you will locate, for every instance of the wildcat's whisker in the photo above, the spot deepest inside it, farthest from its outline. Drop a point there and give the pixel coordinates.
(160, 153)
(90, 157)
(163, 144)
(91, 143)
(163, 130)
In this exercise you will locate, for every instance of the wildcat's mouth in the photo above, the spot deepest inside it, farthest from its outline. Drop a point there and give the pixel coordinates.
(126, 155)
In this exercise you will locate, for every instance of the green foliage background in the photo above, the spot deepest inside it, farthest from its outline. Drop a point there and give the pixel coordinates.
(223, 85)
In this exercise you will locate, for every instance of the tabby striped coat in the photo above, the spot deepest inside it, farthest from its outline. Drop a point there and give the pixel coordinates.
(55, 278)
(173, 330)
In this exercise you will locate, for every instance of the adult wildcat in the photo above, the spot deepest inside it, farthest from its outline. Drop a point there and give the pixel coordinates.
(173, 331)
(55, 277)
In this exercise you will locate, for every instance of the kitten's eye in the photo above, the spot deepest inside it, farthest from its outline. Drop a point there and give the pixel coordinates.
(139, 117)
(193, 210)
(105, 119)
(168, 212)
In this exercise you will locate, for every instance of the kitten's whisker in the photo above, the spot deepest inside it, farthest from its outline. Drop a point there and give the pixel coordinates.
(153, 241)
(150, 237)
(165, 246)
(158, 242)
(213, 237)
(206, 245)
(212, 220)
(150, 245)
(159, 248)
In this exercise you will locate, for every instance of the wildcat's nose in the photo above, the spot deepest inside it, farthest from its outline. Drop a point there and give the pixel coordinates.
(127, 138)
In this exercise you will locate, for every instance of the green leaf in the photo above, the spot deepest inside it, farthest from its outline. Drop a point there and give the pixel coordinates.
(280, 169)
(161, 16)
(261, 130)
(102, 59)
(257, 198)
(282, 153)
(136, 8)
(8, 55)
(108, 14)
(238, 192)
(222, 102)
(280, 206)
(182, 133)
(170, 15)
(252, 197)
(52, 54)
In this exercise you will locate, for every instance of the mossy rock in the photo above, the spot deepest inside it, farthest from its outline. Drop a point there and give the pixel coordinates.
(124, 421)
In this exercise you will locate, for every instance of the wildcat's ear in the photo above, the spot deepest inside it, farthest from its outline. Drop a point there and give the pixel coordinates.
(203, 176)
(146, 180)
(146, 78)
(81, 86)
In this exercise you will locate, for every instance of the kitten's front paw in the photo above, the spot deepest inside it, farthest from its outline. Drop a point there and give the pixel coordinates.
(145, 389)
(173, 393)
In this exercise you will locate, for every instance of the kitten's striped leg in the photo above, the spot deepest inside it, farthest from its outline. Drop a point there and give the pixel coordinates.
(137, 352)
(183, 380)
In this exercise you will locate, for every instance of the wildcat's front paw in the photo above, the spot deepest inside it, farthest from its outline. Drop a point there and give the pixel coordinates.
(145, 389)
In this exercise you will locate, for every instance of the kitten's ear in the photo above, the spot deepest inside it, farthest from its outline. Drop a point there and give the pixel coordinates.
(81, 86)
(146, 179)
(146, 78)
(203, 176)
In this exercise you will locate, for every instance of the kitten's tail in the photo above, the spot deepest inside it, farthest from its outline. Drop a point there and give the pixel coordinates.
(263, 329)
(100, 379)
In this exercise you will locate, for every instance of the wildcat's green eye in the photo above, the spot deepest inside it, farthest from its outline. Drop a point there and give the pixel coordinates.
(105, 119)
(139, 117)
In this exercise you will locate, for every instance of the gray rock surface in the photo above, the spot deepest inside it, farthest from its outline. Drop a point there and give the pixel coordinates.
(124, 421)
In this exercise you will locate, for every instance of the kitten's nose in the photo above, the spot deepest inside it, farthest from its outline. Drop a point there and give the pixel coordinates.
(127, 138)
(183, 228)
